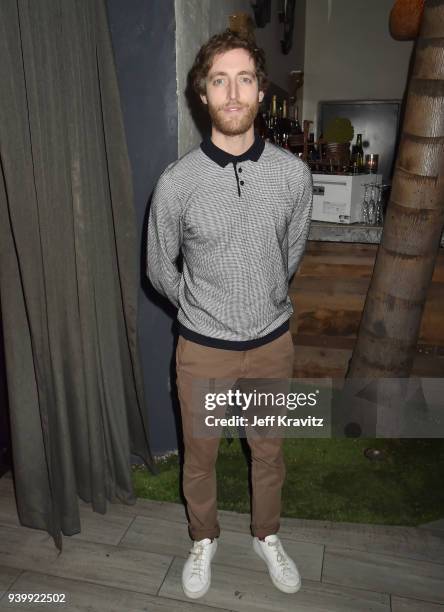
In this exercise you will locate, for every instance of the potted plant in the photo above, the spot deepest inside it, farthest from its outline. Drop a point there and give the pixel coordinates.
(337, 137)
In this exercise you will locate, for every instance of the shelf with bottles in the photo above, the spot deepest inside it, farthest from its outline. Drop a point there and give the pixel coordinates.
(279, 122)
(327, 158)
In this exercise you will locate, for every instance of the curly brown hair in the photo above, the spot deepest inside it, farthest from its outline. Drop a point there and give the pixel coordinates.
(220, 43)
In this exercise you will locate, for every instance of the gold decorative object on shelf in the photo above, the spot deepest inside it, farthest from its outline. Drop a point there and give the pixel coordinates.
(242, 24)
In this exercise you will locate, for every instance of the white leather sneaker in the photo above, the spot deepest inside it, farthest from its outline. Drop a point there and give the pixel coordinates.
(196, 574)
(283, 571)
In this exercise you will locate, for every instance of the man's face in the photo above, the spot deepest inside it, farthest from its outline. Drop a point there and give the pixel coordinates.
(232, 93)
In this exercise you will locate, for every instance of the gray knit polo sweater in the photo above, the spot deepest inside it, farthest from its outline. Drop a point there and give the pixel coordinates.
(241, 223)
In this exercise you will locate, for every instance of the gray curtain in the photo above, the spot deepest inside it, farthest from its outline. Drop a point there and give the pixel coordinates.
(68, 265)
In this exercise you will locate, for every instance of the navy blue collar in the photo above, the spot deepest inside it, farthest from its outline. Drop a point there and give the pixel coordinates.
(223, 158)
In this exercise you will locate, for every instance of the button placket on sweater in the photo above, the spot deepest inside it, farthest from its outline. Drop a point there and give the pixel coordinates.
(239, 182)
(237, 178)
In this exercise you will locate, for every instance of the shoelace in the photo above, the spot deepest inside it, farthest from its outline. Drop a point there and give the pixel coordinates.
(198, 560)
(281, 557)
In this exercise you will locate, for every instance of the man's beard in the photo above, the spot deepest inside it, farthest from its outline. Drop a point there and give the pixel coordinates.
(236, 124)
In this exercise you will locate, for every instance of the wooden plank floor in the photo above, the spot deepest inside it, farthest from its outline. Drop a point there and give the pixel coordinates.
(131, 559)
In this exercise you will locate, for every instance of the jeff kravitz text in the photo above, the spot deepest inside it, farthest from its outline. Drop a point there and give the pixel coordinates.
(261, 400)
(271, 420)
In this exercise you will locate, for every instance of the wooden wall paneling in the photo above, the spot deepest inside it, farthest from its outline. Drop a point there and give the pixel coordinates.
(328, 295)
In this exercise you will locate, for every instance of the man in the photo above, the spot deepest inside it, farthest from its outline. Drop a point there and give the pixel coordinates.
(238, 209)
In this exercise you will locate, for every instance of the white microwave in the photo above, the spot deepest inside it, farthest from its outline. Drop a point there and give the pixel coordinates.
(337, 198)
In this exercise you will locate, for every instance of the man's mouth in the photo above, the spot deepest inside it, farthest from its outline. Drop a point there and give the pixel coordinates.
(232, 109)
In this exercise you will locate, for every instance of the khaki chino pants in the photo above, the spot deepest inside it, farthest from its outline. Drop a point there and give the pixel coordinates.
(195, 361)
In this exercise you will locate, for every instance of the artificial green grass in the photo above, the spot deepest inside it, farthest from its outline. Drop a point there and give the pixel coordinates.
(328, 479)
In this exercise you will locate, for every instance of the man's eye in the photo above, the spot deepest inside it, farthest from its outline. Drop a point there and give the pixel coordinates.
(246, 79)
(218, 81)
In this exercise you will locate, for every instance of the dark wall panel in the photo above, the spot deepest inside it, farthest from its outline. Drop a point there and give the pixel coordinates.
(143, 35)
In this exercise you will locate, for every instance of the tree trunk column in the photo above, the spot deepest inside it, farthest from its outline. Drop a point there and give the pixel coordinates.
(391, 319)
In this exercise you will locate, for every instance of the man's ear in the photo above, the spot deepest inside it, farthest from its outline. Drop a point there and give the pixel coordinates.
(261, 96)
(203, 98)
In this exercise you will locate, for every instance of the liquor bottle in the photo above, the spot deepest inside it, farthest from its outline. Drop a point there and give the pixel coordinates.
(273, 120)
(291, 112)
(297, 126)
(277, 129)
(284, 127)
(358, 155)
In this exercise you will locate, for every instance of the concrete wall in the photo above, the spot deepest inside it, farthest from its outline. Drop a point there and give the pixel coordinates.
(349, 53)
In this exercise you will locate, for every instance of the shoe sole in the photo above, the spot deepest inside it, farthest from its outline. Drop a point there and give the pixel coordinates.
(279, 585)
(202, 592)
(196, 594)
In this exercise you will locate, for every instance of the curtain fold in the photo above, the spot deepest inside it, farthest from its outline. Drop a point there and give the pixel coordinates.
(68, 265)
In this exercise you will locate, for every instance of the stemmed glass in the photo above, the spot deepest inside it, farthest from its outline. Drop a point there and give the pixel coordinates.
(380, 204)
(378, 209)
(372, 204)
(365, 201)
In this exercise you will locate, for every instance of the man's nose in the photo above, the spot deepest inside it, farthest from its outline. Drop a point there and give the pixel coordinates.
(233, 89)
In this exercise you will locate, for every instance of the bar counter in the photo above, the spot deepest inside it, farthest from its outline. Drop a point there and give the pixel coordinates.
(342, 232)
